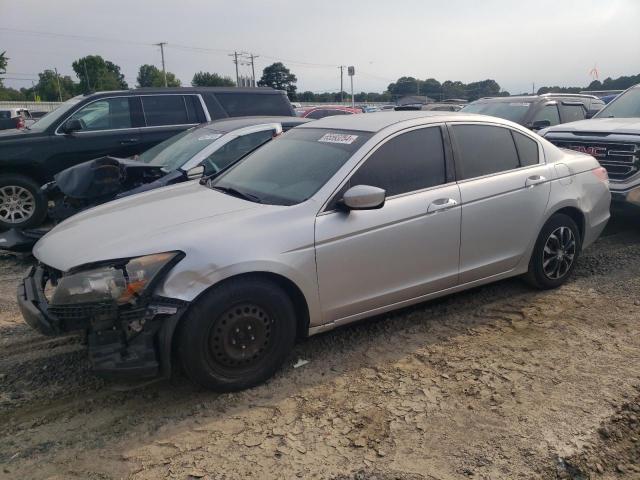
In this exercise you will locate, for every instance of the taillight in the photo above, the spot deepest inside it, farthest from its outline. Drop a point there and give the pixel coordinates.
(20, 123)
(601, 173)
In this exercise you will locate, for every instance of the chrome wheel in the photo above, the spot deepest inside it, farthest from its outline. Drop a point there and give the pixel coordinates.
(17, 204)
(559, 253)
(241, 336)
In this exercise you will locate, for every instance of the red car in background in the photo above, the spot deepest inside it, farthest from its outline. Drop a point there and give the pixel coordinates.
(327, 111)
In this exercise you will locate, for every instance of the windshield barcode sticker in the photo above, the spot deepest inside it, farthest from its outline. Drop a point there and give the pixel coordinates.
(338, 138)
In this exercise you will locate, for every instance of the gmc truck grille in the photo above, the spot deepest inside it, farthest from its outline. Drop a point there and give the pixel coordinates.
(621, 160)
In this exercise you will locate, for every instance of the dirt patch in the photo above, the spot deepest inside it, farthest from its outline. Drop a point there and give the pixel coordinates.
(498, 382)
(614, 452)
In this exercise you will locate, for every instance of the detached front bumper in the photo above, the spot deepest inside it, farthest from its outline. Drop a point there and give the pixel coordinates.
(132, 341)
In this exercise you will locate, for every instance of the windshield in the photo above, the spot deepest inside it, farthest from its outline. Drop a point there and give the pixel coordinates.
(514, 111)
(626, 105)
(179, 149)
(53, 116)
(291, 168)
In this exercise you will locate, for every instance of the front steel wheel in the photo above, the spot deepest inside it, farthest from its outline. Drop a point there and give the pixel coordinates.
(240, 337)
(237, 334)
(555, 253)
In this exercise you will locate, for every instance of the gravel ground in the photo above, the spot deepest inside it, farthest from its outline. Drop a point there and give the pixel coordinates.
(500, 382)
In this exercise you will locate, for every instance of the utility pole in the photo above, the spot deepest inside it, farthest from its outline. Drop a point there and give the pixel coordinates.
(235, 60)
(58, 81)
(341, 67)
(164, 71)
(533, 88)
(253, 70)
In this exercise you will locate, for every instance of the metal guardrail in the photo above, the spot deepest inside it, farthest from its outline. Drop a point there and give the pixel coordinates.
(32, 106)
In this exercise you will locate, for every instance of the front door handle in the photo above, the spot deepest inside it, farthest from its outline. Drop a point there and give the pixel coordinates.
(441, 204)
(127, 141)
(534, 180)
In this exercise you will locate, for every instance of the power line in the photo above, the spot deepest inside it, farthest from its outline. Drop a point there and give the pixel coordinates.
(150, 44)
(72, 36)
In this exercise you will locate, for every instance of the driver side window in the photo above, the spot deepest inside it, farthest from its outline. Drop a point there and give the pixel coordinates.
(406, 163)
(234, 150)
(106, 114)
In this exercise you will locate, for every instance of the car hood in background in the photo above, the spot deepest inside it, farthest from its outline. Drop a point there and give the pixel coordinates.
(605, 125)
(152, 222)
(14, 133)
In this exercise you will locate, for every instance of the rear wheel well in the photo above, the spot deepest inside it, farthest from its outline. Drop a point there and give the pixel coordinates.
(577, 216)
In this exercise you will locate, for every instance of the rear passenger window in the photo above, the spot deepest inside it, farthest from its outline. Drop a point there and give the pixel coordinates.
(166, 110)
(527, 149)
(411, 161)
(549, 113)
(573, 113)
(483, 149)
(240, 105)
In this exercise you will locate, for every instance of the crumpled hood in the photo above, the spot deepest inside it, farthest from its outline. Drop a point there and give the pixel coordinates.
(157, 221)
(603, 125)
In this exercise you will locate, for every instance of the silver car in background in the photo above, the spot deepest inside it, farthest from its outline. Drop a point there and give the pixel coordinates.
(334, 221)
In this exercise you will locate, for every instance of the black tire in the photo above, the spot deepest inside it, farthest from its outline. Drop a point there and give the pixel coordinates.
(16, 206)
(237, 334)
(551, 268)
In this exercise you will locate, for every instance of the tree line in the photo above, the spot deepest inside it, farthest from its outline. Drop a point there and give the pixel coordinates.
(94, 73)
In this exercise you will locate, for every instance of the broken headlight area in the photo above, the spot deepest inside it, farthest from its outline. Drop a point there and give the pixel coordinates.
(119, 283)
(113, 303)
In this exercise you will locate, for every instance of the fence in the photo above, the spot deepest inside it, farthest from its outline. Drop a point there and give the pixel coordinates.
(33, 106)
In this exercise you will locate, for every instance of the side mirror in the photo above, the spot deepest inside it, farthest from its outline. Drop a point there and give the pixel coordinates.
(72, 125)
(540, 124)
(195, 172)
(363, 197)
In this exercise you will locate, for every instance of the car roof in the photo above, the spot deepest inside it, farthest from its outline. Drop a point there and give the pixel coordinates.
(330, 107)
(187, 90)
(534, 98)
(374, 122)
(234, 123)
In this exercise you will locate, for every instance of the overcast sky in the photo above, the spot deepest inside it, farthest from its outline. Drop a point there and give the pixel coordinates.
(517, 43)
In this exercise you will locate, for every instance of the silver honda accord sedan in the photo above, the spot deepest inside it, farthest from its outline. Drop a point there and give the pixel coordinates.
(334, 221)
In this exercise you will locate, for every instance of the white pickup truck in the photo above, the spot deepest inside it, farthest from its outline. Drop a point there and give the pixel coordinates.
(612, 136)
(15, 118)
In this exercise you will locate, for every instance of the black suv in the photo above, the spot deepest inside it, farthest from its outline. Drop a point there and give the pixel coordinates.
(538, 111)
(122, 124)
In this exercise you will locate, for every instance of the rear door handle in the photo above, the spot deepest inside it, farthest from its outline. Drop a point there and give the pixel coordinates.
(534, 180)
(129, 140)
(441, 204)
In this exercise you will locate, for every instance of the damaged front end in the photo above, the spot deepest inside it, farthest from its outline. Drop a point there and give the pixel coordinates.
(128, 329)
